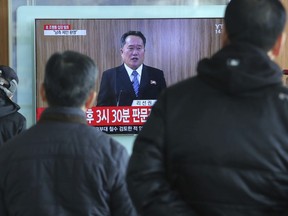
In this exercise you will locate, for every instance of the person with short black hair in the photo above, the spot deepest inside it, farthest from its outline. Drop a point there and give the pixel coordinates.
(61, 165)
(132, 80)
(217, 143)
(11, 121)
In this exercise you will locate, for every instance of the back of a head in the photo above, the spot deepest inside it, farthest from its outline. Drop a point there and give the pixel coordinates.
(69, 79)
(257, 22)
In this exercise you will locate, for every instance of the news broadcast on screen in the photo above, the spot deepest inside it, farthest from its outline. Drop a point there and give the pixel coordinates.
(174, 45)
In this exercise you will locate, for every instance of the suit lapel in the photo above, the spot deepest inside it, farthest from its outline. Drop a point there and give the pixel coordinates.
(144, 80)
(124, 82)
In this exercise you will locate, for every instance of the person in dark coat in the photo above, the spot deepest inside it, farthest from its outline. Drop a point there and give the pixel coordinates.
(61, 165)
(11, 121)
(217, 144)
(116, 87)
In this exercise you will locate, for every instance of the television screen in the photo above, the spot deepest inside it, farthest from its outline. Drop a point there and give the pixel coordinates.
(174, 45)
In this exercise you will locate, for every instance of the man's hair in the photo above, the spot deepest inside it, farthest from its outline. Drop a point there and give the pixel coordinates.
(257, 22)
(134, 33)
(69, 79)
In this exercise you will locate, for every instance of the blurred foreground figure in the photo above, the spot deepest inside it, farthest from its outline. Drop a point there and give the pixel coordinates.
(217, 144)
(62, 166)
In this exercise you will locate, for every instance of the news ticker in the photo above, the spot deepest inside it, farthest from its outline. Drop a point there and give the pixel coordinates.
(121, 119)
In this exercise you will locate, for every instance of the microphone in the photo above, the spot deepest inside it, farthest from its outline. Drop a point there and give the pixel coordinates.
(119, 97)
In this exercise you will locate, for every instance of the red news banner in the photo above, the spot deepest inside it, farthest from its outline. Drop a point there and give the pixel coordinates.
(116, 120)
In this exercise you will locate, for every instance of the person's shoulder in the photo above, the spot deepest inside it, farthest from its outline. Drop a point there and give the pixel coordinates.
(184, 88)
(149, 68)
(183, 84)
(18, 120)
(20, 116)
(12, 146)
(102, 142)
(13, 117)
(114, 69)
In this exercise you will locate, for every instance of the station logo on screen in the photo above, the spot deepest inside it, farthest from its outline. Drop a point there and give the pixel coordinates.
(218, 28)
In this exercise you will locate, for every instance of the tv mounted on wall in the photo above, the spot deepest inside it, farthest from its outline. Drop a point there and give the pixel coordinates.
(177, 37)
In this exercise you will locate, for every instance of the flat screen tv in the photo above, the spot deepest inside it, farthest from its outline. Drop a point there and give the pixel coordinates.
(174, 45)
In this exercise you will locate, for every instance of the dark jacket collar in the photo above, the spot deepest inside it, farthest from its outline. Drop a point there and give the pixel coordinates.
(240, 68)
(7, 106)
(63, 114)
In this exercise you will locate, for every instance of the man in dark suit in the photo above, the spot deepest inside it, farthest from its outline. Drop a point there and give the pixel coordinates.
(121, 85)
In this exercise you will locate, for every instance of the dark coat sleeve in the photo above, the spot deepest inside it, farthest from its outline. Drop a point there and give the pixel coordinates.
(3, 210)
(10, 126)
(22, 125)
(147, 180)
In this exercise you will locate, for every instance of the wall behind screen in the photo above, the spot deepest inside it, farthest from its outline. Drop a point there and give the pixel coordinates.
(173, 45)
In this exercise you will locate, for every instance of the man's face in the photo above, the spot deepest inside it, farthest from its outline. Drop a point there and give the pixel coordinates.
(133, 52)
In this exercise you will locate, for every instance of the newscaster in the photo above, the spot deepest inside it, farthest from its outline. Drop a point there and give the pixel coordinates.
(132, 80)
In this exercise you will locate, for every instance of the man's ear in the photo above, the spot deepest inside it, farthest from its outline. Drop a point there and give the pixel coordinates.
(225, 39)
(42, 93)
(279, 45)
(91, 100)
